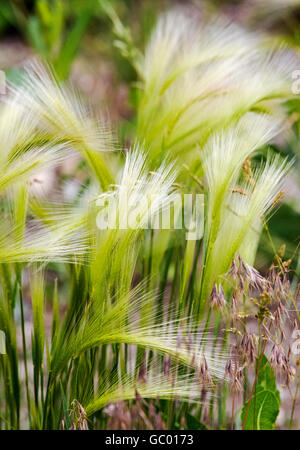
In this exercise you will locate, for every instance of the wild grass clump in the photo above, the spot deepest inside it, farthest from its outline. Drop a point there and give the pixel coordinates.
(148, 319)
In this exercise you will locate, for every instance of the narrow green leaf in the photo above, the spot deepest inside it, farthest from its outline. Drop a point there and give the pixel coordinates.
(193, 423)
(36, 36)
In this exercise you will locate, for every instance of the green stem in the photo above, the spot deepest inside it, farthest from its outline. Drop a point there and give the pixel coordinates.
(25, 353)
(254, 384)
